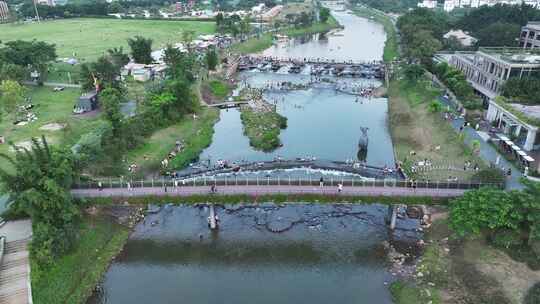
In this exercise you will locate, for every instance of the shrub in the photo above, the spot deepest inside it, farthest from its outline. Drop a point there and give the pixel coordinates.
(507, 238)
(533, 295)
(489, 175)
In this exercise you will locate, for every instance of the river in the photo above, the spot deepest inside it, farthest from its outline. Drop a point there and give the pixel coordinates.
(327, 253)
(322, 123)
(323, 253)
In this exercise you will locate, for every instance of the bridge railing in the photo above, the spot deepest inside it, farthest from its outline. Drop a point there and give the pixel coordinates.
(112, 183)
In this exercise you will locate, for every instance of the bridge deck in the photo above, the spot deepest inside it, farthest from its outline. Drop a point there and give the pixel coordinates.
(262, 190)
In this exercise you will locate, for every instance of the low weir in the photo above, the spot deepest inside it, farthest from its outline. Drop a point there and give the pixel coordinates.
(315, 67)
(364, 170)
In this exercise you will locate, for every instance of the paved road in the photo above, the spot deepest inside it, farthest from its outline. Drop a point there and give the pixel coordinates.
(262, 190)
(54, 84)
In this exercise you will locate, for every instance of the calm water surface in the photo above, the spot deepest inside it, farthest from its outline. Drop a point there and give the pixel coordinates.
(326, 254)
(321, 122)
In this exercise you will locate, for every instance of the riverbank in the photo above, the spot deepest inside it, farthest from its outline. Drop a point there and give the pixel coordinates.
(261, 43)
(266, 198)
(74, 276)
(194, 132)
(391, 46)
(464, 271)
(419, 133)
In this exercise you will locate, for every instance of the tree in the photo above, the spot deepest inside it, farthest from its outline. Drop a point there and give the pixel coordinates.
(36, 54)
(100, 74)
(10, 71)
(11, 95)
(422, 45)
(245, 25)
(324, 14)
(115, 7)
(180, 65)
(39, 186)
(211, 59)
(187, 38)
(141, 49)
(413, 72)
(118, 57)
(485, 208)
(110, 99)
(498, 34)
(219, 20)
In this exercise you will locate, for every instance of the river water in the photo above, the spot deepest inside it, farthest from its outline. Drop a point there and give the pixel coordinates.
(321, 254)
(322, 123)
(316, 253)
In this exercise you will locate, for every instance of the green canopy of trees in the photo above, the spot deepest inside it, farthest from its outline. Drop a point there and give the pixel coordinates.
(525, 90)
(324, 14)
(40, 187)
(494, 211)
(141, 49)
(19, 55)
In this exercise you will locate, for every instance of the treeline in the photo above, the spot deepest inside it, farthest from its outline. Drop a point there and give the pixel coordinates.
(422, 33)
(94, 8)
(498, 25)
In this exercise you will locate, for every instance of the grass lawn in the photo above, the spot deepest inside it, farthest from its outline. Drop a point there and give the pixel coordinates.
(219, 88)
(73, 277)
(263, 128)
(64, 73)
(214, 91)
(414, 128)
(196, 134)
(87, 38)
(49, 107)
(391, 50)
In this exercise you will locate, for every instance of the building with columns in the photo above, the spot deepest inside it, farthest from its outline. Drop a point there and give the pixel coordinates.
(488, 68)
(526, 133)
(530, 36)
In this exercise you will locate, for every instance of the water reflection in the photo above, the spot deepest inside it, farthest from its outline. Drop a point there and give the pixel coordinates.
(332, 251)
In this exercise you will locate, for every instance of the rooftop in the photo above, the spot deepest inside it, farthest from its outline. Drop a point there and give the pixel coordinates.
(533, 25)
(532, 112)
(513, 55)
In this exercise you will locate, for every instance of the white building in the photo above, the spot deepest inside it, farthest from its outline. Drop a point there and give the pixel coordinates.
(4, 11)
(46, 2)
(450, 5)
(428, 4)
(464, 38)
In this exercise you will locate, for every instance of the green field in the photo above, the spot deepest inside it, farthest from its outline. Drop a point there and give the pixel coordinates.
(73, 277)
(87, 39)
(49, 107)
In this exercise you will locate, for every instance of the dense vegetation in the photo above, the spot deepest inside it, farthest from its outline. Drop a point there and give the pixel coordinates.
(40, 188)
(497, 25)
(525, 90)
(510, 218)
(455, 80)
(263, 128)
(397, 6)
(421, 34)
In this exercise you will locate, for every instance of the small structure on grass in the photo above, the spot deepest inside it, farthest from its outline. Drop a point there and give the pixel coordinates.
(86, 103)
